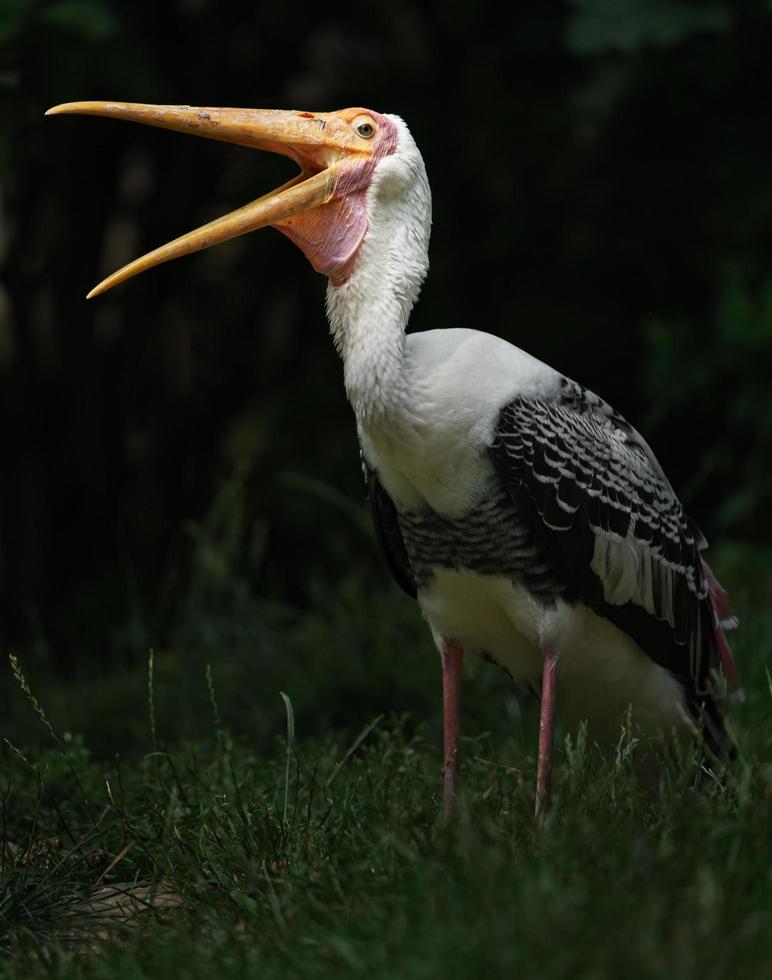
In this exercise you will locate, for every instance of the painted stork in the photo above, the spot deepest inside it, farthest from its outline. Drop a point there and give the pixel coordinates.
(529, 519)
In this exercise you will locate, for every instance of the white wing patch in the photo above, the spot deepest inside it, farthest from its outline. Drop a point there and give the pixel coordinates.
(626, 569)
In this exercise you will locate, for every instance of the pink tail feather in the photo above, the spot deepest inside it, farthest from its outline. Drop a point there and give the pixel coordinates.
(724, 620)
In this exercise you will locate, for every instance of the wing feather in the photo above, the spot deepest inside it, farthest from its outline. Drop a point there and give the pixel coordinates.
(388, 532)
(604, 513)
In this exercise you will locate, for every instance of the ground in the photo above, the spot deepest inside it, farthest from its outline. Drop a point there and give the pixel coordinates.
(189, 837)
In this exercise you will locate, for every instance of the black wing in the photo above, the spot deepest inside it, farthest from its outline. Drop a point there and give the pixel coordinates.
(605, 515)
(388, 533)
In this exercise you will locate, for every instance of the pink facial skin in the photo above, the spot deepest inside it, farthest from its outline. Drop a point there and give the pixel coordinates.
(330, 236)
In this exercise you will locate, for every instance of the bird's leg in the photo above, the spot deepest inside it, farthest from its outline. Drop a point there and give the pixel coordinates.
(546, 733)
(452, 655)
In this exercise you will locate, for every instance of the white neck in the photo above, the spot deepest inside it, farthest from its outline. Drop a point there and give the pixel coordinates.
(369, 312)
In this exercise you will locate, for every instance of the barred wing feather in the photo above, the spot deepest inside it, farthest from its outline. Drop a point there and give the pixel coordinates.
(605, 514)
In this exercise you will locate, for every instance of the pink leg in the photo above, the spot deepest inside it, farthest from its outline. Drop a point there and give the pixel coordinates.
(546, 734)
(452, 655)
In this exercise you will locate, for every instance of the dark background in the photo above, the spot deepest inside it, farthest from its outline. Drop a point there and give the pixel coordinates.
(182, 447)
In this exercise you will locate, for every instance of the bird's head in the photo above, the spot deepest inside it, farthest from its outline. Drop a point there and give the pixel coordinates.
(324, 209)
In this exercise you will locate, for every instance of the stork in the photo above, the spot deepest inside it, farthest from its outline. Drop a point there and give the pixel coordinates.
(530, 520)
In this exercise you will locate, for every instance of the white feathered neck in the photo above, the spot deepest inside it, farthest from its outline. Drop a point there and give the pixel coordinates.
(368, 313)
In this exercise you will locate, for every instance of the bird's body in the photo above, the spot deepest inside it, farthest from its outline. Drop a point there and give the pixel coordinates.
(434, 411)
(480, 576)
(533, 524)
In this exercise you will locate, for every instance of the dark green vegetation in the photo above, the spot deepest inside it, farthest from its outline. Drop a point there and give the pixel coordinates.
(179, 473)
(323, 854)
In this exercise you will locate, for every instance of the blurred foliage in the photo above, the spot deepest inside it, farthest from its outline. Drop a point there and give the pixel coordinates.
(603, 198)
(722, 365)
(626, 25)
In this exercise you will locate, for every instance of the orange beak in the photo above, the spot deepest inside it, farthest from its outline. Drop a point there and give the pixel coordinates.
(326, 146)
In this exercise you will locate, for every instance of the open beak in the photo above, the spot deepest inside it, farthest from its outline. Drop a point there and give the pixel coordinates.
(322, 144)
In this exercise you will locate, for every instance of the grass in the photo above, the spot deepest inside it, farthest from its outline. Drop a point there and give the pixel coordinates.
(311, 844)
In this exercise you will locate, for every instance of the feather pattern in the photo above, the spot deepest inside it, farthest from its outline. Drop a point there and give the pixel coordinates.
(610, 522)
(490, 539)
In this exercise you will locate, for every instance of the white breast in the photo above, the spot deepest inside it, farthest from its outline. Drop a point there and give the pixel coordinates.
(458, 381)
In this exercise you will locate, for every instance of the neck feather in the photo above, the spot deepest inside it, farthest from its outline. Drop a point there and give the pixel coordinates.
(368, 313)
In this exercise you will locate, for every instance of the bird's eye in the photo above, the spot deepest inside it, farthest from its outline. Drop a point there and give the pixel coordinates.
(366, 130)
